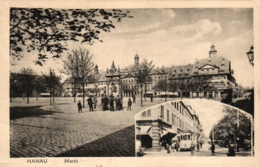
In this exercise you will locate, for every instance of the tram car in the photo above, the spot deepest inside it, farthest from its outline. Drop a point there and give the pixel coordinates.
(185, 141)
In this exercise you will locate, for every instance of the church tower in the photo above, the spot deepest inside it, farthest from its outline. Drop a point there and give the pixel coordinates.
(96, 69)
(213, 51)
(136, 59)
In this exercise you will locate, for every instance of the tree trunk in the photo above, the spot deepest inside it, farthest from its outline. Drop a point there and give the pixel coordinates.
(145, 93)
(83, 95)
(11, 93)
(53, 90)
(50, 96)
(141, 95)
(28, 97)
(75, 93)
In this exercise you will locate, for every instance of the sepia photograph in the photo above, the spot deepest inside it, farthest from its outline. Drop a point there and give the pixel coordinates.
(138, 82)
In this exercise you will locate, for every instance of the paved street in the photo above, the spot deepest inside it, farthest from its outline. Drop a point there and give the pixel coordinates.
(39, 130)
(204, 152)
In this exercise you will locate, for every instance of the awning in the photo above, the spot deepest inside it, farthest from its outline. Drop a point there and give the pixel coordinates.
(170, 132)
(143, 130)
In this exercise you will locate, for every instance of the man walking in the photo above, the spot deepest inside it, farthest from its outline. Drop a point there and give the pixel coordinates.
(79, 107)
(90, 103)
(129, 104)
(213, 149)
(95, 102)
(111, 103)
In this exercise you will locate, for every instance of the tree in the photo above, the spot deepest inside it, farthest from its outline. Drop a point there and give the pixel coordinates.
(141, 73)
(233, 124)
(79, 66)
(163, 82)
(200, 83)
(48, 30)
(26, 79)
(52, 81)
(13, 85)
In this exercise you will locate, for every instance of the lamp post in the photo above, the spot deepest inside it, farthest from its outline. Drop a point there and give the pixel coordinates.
(96, 86)
(250, 55)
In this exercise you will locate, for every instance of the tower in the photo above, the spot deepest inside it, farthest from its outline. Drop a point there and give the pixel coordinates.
(136, 59)
(96, 69)
(213, 51)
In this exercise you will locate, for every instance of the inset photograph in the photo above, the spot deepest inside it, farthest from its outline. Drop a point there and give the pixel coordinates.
(201, 128)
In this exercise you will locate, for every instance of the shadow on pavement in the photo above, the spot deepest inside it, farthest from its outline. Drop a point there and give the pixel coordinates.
(32, 111)
(117, 144)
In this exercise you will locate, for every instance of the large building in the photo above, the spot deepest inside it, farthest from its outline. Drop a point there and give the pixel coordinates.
(211, 77)
(164, 122)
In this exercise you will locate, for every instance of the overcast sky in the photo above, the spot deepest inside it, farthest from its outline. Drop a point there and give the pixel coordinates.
(209, 112)
(172, 37)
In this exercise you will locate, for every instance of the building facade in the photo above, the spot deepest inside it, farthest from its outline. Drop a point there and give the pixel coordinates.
(163, 122)
(211, 77)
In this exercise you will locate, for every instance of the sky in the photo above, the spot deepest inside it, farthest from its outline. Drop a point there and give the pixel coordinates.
(209, 112)
(170, 37)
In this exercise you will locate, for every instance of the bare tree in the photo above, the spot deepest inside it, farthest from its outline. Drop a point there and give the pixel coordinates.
(141, 73)
(79, 66)
(52, 81)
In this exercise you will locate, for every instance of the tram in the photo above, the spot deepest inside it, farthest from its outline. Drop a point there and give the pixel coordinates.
(185, 140)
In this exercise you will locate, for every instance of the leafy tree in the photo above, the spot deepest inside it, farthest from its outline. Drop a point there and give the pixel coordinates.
(200, 83)
(13, 85)
(233, 124)
(26, 80)
(79, 66)
(52, 81)
(142, 74)
(48, 30)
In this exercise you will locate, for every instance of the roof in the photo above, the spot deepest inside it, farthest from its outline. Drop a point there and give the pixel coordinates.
(222, 63)
(182, 71)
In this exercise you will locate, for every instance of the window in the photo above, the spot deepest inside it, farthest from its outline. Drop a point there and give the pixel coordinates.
(162, 112)
(144, 114)
(168, 115)
(149, 112)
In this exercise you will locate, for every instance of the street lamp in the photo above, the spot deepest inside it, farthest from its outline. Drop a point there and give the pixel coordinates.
(250, 55)
(96, 87)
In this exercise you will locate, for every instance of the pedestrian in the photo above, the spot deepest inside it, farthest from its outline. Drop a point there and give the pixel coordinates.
(106, 101)
(129, 104)
(151, 98)
(231, 151)
(95, 102)
(117, 100)
(198, 146)
(192, 149)
(177, 145)
(111, 103)
(173, 146)
(213, 148)
(90, 103)
(121, 103)
(79, 107)
(168, 148)
(133, 98)
(201, 144)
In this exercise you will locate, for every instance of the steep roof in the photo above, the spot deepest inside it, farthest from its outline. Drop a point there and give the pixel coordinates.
(222, 63)
(182, 71)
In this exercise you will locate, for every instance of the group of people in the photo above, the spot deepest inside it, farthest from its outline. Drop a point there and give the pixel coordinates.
(92, 103)
(231, 150)
(107, 103)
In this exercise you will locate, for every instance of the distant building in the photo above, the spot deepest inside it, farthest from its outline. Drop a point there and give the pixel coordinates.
(211, 77)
